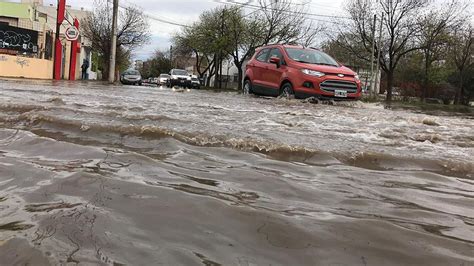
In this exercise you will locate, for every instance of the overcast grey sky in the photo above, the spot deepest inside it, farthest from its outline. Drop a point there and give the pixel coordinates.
(186, 12)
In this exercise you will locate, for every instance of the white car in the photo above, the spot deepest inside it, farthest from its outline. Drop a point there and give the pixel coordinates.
(179, 77)
(163, 79)
(195, 83)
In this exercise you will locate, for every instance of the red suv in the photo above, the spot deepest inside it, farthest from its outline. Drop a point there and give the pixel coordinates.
(284, 70)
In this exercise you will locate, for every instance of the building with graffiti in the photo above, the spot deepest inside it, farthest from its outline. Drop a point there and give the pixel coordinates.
(28, 43)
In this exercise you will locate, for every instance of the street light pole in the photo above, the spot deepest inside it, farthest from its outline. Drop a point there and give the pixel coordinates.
(113, 47)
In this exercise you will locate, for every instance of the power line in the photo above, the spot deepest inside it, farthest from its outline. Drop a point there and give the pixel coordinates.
(327, 7)
(248, 5)
(156, 18)
(166, 21)
(312, 19)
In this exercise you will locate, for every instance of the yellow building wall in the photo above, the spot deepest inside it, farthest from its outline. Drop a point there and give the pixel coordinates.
(24, 67)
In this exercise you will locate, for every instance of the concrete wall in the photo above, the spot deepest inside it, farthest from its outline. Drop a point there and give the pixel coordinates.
(24, 67)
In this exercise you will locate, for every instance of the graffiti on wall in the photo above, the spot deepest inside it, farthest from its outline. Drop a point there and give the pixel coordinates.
(3, 58)
(22, 62)
(18, 39)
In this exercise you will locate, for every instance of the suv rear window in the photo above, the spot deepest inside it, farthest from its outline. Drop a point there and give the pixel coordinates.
(262, 55)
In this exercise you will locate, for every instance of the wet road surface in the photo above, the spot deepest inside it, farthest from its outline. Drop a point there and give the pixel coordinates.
(95, 174)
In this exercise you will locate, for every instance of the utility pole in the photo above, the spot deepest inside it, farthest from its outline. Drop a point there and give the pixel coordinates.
(378, 54)
(113, 47)
(171, 55)
(220, 49)
(372, 54)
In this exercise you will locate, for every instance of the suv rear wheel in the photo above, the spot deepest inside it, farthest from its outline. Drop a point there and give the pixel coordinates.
(247, 89)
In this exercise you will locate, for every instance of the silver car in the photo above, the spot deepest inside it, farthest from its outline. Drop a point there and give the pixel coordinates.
(163, 79)
(131, 77)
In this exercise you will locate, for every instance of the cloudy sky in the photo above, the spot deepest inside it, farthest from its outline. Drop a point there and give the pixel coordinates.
(185, 12)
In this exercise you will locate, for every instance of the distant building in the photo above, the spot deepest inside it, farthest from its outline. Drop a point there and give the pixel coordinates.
(36, 24)
(139, 64)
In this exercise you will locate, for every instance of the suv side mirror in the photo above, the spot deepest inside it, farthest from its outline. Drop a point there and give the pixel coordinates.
(275, 60)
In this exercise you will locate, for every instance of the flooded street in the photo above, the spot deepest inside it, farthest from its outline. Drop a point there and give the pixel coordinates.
(152, 176)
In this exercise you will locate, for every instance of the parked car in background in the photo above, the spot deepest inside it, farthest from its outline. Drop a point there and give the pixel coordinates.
(163, 79)
(131, 77)
(179, 77)
(284, 70)
(195, 83)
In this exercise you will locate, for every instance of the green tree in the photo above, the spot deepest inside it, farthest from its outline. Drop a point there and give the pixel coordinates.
(434, 28)
(462, 56)
(160, 63)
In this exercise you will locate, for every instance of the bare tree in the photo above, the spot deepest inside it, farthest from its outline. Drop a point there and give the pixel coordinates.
(310, 34)
(132, 32)
(400, 28)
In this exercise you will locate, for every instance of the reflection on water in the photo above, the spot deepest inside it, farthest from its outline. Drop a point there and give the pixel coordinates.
(15, 226)
(144, 176)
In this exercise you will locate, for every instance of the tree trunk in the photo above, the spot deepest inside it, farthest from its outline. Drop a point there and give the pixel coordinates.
(424, 94)
(389, 86)
(220, 71)
(105, 73)
(216, 78)
(198, 63)
(241, 77)
(211, 73)
(208, 81)
(459, 91)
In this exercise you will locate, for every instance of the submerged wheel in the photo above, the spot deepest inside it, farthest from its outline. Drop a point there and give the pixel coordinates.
(247, 89)
(287, 91)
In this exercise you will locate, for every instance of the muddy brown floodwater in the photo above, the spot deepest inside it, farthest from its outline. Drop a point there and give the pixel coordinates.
(93, 174)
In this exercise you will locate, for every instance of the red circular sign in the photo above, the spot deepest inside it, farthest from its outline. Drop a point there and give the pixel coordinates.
(72, 33)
